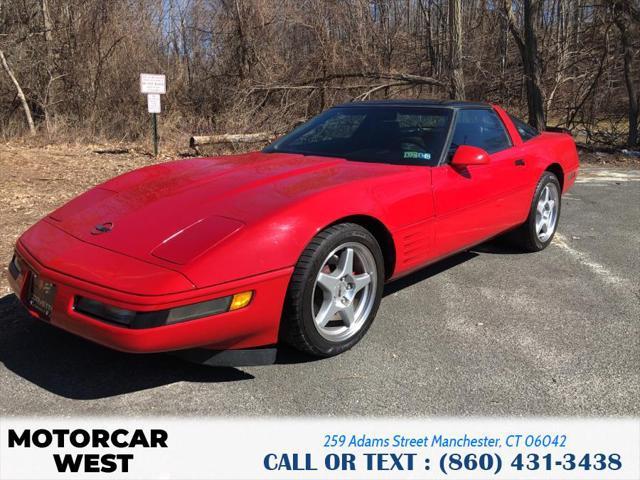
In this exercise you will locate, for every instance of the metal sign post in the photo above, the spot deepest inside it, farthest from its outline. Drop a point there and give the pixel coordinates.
(153, 86)
(155, 133)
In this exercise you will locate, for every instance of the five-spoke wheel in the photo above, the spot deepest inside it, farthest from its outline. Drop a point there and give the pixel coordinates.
(547, 211)
(537, 232)
(343, 295)
(334, 292)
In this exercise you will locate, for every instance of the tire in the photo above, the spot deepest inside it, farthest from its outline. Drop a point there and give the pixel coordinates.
(530, 236)
(312, 298)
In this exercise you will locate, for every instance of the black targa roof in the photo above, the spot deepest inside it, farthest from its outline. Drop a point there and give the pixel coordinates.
(415, 103)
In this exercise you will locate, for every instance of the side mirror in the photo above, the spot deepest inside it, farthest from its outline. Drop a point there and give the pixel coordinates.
(467, 155)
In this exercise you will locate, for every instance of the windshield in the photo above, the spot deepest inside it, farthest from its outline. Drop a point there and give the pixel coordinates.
(401, 135)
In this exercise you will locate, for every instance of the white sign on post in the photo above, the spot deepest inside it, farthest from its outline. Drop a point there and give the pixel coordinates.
(152, 83)
(153, 102)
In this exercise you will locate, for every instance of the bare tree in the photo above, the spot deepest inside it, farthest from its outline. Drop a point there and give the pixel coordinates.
(528, 45)
(259, 66)
(622, 10)
(23, 99)
(455, 49)
(48, 35)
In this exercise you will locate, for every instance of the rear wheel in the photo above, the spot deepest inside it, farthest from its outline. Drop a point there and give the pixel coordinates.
(334, 292)
(538, 231)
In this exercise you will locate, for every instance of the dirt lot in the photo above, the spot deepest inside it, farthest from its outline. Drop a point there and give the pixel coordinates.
(487, 332)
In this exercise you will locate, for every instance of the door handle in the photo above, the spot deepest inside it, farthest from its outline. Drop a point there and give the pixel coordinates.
(519, 162)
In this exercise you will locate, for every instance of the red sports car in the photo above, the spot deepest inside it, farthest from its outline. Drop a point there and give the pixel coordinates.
(223, 258)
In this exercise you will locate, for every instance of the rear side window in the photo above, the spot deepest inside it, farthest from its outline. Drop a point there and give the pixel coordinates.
(526, 131)
(480, 128)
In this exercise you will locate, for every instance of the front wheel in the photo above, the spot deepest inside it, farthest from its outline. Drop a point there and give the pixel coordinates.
(335, 291)
(538, 231)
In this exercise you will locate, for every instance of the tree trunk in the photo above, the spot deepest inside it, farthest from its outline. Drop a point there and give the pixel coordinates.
(23, 99)
(455, 49)
(48, 36)
(528, 47)
(634, 98)
(533, 64)
(242, 47)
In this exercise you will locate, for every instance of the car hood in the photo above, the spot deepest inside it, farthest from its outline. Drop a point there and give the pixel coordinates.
(172, 212)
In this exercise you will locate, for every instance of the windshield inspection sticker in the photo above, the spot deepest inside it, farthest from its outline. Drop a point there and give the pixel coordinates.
(417, 155)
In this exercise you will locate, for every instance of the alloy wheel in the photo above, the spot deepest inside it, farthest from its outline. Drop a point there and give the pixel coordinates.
(547, 212)
(344, 291)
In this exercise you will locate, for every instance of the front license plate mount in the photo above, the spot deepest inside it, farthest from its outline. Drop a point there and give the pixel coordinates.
(41, 296)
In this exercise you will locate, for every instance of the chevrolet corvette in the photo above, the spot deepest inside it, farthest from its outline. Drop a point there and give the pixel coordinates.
(225, 258)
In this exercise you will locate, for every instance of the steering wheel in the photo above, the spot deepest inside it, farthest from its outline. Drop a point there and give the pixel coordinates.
(413, 143)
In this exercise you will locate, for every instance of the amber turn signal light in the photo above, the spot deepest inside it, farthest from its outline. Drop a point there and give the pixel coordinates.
(240, 300)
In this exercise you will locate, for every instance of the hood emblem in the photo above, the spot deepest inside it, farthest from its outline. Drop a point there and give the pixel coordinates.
(102, 228)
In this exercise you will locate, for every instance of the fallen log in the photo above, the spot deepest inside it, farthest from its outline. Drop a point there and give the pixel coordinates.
(195, 142)
(112, 151)
(598, 148)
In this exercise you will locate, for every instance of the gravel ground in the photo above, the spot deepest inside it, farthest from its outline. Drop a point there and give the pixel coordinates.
(487, 332)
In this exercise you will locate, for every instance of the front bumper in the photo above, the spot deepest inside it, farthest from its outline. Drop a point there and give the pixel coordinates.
(254, 326)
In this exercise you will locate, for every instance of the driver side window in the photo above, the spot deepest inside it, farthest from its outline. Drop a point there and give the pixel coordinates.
(480, 128)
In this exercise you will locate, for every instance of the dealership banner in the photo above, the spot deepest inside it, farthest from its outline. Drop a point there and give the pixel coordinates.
(323, 448)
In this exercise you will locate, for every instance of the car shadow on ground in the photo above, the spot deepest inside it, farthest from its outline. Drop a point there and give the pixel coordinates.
(72, 367)
(427, 272)
(75, 368)
(503, 245)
